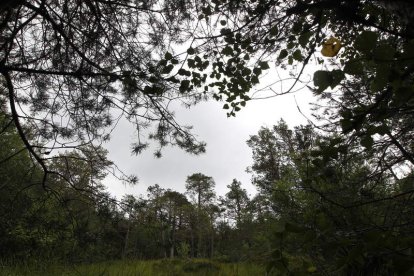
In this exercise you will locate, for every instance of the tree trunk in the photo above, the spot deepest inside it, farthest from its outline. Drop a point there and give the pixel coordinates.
(126, 240)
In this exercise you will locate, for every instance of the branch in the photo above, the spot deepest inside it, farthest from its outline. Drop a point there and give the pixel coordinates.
(19, 127)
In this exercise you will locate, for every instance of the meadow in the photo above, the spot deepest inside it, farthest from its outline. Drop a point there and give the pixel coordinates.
(166, 267)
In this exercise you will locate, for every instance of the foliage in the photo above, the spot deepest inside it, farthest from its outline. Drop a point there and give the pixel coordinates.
(72, 70)
(335, 213)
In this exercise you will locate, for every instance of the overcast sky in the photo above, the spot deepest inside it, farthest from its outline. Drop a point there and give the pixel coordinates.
(227, 155)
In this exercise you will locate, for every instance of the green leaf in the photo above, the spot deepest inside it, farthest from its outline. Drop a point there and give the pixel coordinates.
(226, 106)
(381, 78)
(283, 54)
(274, 31)
(354, 67)
(381, 130)
(264, 65)
(223, 22)
(191, 51)
(191, 63)
(162, 62)
(184, 72)
(152, 90)
(168, 56)
(185, 86)
(304, 39)
(367, 142)
(257, 71)
(206, 10)
(297, 55)
(384, 52)
(366, 41)
(225, 31)
(297, 27)
(227, 51)
(403, 94)
(167, 69)
(322, 79)
(336, 77)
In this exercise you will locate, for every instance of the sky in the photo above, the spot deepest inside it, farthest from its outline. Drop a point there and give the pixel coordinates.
(227, 155)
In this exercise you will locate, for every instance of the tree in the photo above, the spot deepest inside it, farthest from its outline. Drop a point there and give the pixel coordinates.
(333, 209)
(72, 70)
(175, 205)
(236, 202)
(59, 221)
(200, 188)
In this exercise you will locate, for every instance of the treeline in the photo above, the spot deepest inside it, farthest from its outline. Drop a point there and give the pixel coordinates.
(78, 220)
(323, 204)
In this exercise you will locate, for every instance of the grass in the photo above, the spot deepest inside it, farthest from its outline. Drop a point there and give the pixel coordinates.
(167, 267)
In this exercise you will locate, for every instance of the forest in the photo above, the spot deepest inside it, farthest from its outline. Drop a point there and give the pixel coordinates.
(334, 196)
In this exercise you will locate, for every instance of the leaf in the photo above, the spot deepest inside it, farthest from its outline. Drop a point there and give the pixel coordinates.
(384, 52)
(297, 27)
(366, 41)
(403, 94)
(381, 78)
(354, 67)
(367, 142)
(185, 86)
(381, 130)
(283, 53)
(168, 56)
(184, 72)
(191, 51)
(257, 71)
(191, 63)
(206, 10)
(304, 39)
(225, 31)
(167, 69)
(297, 55)
(227, 51)
(336, 77)
(322, 79)
(152, 90)
(274, 31)
(264, 65)
(331, 47)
